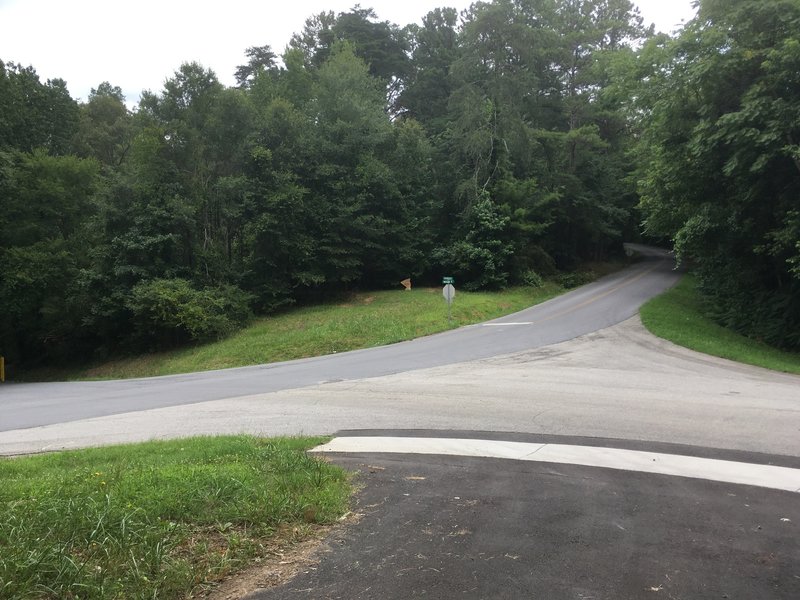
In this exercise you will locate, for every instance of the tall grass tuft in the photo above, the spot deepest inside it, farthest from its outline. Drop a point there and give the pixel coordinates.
(155, 520)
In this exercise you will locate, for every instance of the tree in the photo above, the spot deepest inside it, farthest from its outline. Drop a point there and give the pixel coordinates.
(721, 174)
(498, 144)
(35, 115)
(531, 126)
(380, 44)
(105, 127)
(194, 134)
(350, 181)
(480, 256)
(261, 60)
(428, 86)
(316, 39)
(47, 204)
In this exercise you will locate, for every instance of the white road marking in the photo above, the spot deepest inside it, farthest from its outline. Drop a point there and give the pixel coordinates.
(502, 324)
(768, 476)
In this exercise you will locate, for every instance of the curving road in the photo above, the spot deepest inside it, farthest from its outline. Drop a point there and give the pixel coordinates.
(590, 308)
(561, 452)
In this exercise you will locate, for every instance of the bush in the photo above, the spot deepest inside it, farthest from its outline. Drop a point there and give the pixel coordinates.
(742, 301)
(480, 259)
(575, 279)
(533, 257)
(167, 312)
(531, 278)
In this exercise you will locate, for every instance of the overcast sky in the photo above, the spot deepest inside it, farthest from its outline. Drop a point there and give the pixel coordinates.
(138, 45)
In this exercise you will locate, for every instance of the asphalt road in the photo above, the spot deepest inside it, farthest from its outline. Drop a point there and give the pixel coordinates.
(578, 375)
(590, 308)
(621, 382)
(454, 527)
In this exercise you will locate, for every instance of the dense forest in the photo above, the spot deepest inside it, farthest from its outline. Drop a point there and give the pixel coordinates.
(512, 141)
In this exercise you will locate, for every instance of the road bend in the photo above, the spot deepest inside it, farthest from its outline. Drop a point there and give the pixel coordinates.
(590, 308)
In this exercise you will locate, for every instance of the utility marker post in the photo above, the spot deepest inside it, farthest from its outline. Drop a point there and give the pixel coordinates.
(449, 292)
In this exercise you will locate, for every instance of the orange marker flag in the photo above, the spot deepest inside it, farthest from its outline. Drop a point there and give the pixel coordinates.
(406, 283)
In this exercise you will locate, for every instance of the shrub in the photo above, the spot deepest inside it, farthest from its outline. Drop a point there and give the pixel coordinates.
(480, 259)
(531, 278)
(575, 279)
(167, 312)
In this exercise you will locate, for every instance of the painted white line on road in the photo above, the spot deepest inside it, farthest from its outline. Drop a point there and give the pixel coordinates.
(502, 324)
(768, 476)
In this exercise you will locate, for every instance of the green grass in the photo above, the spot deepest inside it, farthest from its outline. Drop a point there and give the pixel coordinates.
(156, 520)
(362, 321)
(678, 316)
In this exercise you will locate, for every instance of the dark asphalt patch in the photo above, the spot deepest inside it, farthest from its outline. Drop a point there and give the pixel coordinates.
(453, 527)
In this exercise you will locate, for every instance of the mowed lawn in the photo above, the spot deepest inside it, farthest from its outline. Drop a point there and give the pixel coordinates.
(361, 321)
(678, 316)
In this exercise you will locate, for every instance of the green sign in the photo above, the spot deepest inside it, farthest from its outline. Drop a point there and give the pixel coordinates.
(446, 280)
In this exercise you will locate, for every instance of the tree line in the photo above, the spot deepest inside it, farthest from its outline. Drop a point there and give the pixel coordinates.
(512, 141)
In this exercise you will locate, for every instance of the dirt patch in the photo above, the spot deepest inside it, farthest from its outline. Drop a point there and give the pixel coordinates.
(284, 559)
(368, 300)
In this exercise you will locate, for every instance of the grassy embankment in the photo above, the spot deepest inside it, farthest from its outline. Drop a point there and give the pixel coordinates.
(362, 321)
(678, 316)
(160, 519)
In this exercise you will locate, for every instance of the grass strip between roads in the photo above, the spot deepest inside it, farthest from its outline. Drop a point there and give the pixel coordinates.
(160, 519)
(678, 316)
(361, 321)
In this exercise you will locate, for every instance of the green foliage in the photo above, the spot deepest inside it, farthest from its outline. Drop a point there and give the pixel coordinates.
(536, 122)
(480, 259)
(681, 315)
(261, 62)
(531, 278)
(47, 204)
(171, 311)
(380, 44)
(354, 321)
(105, 127)
(428, 86)
(338, 191)
(721, 175)
(156, 520)
(48, 197)
(576, 279)
(491, 145)
(35, 114)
